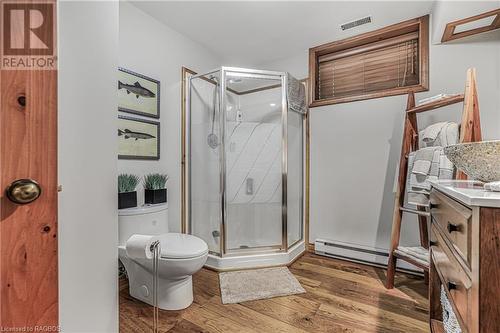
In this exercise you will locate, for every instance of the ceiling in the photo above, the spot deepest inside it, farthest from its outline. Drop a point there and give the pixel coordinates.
(251, 33)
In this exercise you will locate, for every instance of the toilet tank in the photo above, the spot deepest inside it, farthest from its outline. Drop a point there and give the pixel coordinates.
(144, 220)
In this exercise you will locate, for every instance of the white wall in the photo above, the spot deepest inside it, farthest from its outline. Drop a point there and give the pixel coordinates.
(151, 48)
(88, 233)
(355, 146)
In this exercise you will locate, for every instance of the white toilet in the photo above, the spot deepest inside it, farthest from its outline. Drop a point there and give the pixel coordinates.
(181, 256)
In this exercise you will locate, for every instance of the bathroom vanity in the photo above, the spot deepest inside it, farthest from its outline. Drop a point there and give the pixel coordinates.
(465, 256)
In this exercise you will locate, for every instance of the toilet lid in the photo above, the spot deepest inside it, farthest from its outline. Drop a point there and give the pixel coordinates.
(181, 246)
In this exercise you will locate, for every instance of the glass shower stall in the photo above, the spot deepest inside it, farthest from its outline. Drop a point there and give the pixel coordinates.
(245, 166)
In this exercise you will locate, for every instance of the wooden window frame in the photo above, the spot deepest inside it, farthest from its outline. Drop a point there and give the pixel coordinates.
(422, 25)
(449, 31)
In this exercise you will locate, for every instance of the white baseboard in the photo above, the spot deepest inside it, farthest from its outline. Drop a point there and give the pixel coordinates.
(359, 253)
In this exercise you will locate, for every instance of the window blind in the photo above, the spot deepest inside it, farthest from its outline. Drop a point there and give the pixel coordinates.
(378, 66)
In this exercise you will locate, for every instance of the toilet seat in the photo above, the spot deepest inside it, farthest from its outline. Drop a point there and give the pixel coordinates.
(181, 246)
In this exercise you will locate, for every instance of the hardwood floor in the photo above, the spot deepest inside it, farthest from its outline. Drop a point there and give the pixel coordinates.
(341, 297)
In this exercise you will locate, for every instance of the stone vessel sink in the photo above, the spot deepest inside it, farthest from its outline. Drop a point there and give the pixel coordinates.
(478, 160)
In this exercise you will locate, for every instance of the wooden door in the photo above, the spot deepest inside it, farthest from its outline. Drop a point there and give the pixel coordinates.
(28, 150)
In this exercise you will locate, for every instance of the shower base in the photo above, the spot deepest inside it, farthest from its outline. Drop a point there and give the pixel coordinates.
(257, 260)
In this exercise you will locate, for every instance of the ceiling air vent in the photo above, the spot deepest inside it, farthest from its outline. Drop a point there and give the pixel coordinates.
(356, 23)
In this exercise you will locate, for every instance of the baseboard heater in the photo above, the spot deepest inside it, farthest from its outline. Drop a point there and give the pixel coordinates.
(360, 254)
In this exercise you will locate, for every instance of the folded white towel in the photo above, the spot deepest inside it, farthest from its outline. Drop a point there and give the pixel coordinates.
(418, 185)
(296, 95)
(419, 260)
(440, 134)
(423, 160)
(421, 167)
(492, 186)
(416, 251)
(448, 135)
(431, 132)
(433, 98)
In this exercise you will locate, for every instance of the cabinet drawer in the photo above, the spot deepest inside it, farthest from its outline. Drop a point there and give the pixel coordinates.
(452, 275)
(454, 219)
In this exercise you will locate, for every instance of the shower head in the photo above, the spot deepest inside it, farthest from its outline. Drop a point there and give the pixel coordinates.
(213, 140)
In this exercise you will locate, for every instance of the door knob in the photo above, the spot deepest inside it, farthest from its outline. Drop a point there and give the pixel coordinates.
(23, 191)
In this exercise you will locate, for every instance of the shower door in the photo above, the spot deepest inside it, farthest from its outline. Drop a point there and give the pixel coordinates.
(295, 178)
(245, 162)
(205, 158)
(254, 161)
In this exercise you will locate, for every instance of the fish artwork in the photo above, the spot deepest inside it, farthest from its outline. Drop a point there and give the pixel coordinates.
(136, 89)
(134, 135)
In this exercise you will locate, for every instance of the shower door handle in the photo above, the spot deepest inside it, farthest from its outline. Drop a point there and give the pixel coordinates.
(249, 189)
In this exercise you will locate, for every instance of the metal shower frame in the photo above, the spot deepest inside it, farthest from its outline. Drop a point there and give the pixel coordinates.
(249, 73)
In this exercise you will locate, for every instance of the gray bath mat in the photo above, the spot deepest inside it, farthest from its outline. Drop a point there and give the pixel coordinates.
(250, 285)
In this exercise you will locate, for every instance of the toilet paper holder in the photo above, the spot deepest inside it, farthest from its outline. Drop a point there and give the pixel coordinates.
(155, 248)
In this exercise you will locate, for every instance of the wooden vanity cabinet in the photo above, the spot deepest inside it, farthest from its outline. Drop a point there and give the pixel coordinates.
(465, 260)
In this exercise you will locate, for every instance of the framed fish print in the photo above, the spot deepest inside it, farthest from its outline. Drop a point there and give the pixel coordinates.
(138, 139)
(138, 94)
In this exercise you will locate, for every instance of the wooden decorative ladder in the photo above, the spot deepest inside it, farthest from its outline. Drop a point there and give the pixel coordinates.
(470, 131)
